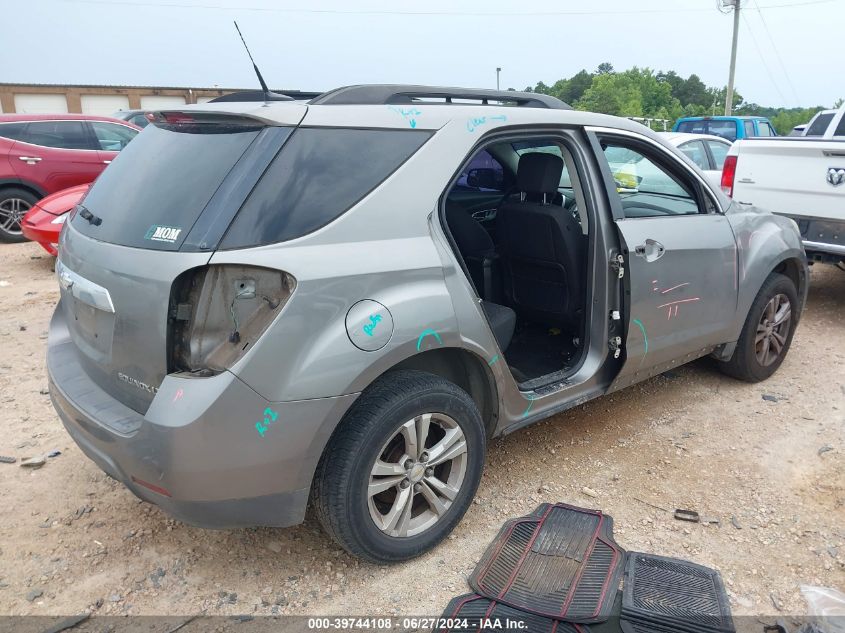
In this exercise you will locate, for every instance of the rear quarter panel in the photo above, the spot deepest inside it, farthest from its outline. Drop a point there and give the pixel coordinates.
(763, 242)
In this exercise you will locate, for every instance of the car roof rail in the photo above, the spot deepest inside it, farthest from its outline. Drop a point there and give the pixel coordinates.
(398, 94)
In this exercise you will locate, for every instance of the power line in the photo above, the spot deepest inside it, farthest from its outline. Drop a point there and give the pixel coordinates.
(393, 12)
(777, 54)
(762, 58)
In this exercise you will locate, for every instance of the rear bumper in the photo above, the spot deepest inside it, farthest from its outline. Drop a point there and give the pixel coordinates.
(823, 236)
(197, 451)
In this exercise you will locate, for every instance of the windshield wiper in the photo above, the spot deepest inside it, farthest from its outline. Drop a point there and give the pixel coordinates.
(85, 214)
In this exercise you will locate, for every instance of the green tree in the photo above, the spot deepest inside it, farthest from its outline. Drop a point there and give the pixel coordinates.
(616, 94)
(605, 68)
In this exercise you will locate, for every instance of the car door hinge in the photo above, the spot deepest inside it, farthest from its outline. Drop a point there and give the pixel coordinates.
(615, 345)
(617, 265)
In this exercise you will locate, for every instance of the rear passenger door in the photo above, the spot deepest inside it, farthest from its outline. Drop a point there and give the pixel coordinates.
(679, 252)
(56, 155)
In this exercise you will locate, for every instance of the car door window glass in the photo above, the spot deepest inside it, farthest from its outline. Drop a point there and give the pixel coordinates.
(58, 134)
(840, 129)
(819, 125)
(749, 129)
(483, 173)
(719, 152)
(111, 136)
(645, 187)
(764, 128)
(694, 150)
(14, 131)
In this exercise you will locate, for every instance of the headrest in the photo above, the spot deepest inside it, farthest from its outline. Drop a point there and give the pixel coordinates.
(539, 172)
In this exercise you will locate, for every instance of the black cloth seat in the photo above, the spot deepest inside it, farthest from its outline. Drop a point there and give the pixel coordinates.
(542, 247)
(476, 247)
(502, 321)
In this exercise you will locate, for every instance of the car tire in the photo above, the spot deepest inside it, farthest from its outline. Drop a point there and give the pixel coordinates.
(767, 333)
(14, 202)
(370, 451)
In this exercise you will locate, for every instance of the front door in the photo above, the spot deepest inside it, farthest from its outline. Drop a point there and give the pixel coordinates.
(681, 277)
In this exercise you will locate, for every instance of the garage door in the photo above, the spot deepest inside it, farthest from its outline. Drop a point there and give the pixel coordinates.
(104, 105)
(154, 102)
(40, 104)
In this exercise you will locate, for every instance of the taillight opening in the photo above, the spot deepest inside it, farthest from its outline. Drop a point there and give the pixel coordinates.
(728, 175)
(218, 312)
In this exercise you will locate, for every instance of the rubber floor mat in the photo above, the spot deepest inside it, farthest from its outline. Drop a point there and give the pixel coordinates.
(559, 562)
(662, 593)
(472, 613)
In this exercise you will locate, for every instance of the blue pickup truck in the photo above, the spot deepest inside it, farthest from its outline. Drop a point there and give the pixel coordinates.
(729, 127)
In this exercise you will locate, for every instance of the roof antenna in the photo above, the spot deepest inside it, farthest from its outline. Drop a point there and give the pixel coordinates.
(257, 72)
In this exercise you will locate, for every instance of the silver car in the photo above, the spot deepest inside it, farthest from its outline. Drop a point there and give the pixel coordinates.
(341, 302)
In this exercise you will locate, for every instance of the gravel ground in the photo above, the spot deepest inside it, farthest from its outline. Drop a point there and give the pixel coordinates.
(765, 460)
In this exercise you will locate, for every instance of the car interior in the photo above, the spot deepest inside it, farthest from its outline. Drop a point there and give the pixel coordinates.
(518, 219)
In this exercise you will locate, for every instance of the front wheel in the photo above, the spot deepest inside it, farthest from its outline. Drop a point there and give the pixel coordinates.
(767, 333)
(402, 468)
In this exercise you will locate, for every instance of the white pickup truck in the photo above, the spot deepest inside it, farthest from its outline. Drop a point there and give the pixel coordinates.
(802, 177)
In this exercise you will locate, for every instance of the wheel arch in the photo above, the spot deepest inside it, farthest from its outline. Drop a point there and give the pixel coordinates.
(7, 183)
(466, 370)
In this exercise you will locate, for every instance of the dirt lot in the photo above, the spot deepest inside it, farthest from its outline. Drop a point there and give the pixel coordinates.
(72, 539)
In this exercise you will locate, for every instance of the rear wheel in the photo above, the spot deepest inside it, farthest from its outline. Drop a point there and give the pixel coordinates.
(14, 203)
(767, 333)
(402, 468)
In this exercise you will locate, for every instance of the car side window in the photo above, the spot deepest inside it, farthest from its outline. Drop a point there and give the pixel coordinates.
(719, 151)
(140, 120)
(764, 128)
(840, 128)
(819, 124)
(14, 131)
(694, 150)
(483, 173)
(58, 134)
(749, 129)
(111, 136)
(646, 186)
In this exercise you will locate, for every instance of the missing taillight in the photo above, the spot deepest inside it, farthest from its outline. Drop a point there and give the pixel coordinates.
(218, 312)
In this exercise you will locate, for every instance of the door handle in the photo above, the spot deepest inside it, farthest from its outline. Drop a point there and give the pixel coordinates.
(651, 250)
(30, 159)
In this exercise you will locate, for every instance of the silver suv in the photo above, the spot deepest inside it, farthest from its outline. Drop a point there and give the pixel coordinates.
(341, 302)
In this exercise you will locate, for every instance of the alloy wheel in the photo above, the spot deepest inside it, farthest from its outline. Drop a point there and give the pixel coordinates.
(12, 211)
(417, 475)
(773, 330)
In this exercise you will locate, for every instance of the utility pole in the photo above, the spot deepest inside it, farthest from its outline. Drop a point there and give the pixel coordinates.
(729, 99)
(498, 70)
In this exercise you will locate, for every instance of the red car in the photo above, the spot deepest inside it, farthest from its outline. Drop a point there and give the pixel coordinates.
(41, 154)
(44, 221)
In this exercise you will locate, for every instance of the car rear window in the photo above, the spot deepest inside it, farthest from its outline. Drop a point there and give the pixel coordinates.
(318, 175)
(157, 187)
(725, 129)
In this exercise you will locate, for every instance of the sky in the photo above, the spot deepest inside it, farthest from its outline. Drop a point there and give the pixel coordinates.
(788, 54)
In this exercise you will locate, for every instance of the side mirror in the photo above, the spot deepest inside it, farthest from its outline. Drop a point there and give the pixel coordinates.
(484, 178)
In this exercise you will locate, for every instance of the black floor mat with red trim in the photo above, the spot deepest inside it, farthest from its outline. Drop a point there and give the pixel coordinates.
(560, 562)
(472, 613)
(668, 594)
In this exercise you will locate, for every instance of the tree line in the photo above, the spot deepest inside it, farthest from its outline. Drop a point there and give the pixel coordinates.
(641, 92)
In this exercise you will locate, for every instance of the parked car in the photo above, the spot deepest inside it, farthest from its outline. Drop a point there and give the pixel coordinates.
(41, 154)
(135, 117)
(705, 150)
(802, 178)
(264, 305)
(728, 127)
(44, 221)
